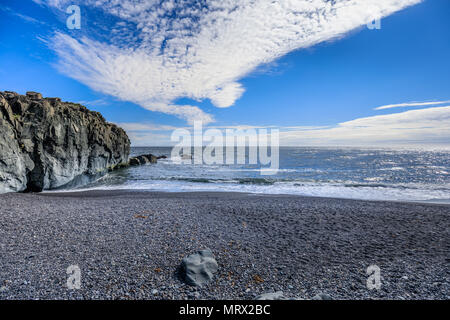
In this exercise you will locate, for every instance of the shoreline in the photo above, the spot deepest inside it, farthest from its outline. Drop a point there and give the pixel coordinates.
(100, 192)
(129, 245)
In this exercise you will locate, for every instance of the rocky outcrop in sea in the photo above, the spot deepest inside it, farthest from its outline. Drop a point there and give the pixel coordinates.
(46, 143)
(143, 159)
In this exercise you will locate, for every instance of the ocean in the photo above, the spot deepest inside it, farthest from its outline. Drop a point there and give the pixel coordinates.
(353, 173)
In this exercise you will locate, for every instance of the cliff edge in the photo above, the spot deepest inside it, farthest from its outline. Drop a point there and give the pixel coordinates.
(46, 143)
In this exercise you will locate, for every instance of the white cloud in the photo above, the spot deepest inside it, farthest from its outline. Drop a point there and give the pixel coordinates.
(94, 103)
(200, 50)
(52, 3)
(415, 127)
(149, 139)
(412, 104)
(139, 126)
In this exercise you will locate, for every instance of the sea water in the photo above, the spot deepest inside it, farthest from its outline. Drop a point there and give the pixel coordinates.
(354, 173)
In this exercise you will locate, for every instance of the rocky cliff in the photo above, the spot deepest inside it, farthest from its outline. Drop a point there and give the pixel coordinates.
(46, 143)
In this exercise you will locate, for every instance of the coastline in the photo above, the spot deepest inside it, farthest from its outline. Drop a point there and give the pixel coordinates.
(114, 192)
(129, 245)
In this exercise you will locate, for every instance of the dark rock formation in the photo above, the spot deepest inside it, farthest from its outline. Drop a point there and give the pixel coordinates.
(46, 143)
(143, 159)
(34, 95)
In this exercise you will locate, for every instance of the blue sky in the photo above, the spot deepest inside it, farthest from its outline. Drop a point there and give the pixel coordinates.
(317, 79)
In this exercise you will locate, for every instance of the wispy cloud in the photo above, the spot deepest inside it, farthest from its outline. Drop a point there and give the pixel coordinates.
(94, 103)
(430, 126)
(157, 52)
(414, 127)
(54, 3)
(146, 127)
(21, 16)
(412, 104)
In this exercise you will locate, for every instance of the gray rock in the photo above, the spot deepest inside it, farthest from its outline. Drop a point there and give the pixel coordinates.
(198, 268)
(279, 295)
(322, 296)
(46, 143)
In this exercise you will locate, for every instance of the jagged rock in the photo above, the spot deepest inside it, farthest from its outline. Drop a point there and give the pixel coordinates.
(53, 100)
(46, 143)
(10, 94)
(151, 158)
(143, 159)
(162, 157)
(34, 95)
(134, 162)
(199, 268)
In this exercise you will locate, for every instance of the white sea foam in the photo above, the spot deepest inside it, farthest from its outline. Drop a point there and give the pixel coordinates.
(303, 189)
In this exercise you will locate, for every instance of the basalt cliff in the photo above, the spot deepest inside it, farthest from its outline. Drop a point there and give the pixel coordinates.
(46, 143)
